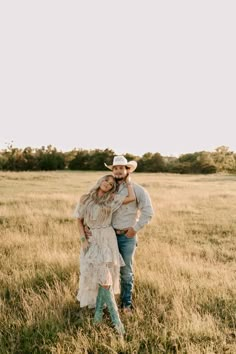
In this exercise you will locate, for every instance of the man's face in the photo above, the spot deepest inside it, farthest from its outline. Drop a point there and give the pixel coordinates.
(119, 172)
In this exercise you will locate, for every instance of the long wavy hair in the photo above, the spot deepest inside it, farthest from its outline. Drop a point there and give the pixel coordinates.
(104, 201)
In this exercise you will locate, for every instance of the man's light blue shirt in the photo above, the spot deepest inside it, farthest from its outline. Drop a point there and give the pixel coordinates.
(135, 214)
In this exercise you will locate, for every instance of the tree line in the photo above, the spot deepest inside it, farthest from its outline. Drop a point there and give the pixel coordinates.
(50, 159)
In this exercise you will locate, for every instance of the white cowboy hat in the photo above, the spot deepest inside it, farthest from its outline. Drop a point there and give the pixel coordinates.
(121, 161)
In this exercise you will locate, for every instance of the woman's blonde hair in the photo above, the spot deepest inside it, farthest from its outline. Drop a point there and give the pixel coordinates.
(92, 194)
(104, 201)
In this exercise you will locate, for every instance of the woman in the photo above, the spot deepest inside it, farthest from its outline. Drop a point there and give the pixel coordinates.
(100, 260)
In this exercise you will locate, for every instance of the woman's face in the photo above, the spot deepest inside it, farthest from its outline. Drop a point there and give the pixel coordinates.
(107, 184)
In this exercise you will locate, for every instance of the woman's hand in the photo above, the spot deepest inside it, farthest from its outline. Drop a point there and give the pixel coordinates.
(84, 243)
(131, 195)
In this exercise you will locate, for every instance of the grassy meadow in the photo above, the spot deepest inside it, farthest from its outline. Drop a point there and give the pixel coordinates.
(185, 267)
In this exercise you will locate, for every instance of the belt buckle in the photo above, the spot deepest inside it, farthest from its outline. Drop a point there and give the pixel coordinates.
(120, 232)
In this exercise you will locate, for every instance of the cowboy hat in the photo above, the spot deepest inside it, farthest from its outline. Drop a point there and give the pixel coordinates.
(121, 161)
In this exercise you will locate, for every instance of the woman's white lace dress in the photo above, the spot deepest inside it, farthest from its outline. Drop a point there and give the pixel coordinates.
(101, 262)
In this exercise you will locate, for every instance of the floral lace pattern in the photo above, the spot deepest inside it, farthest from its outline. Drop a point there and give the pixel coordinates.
(101, 263)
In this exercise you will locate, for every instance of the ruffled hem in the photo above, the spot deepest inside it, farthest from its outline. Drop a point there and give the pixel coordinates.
(90, 280)
(100, 264)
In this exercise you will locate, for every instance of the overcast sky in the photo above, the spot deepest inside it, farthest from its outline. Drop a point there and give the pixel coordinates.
(132, 76)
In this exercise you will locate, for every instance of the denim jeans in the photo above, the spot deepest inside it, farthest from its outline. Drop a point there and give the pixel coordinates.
(127, 248)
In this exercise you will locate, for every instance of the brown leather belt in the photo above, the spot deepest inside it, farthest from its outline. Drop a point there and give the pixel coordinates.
(120, 232)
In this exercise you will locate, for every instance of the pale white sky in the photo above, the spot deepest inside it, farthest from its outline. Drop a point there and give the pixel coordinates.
(133, 76)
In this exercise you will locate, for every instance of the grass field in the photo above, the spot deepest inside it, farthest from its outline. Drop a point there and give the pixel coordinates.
(185, 267)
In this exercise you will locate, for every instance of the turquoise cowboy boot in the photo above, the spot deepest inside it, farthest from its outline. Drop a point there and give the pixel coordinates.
(99, 306)
(109, 300)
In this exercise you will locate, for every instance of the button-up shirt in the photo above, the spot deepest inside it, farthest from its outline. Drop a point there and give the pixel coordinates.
(135, 214)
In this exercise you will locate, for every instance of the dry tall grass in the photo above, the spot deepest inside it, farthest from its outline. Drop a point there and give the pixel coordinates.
(185, 267)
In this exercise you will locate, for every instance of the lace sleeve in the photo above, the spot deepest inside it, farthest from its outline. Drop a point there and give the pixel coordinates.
(118, 200)
(79, 211)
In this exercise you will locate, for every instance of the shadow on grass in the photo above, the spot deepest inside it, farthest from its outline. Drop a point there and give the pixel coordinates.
(152, 310)
(44, 279)
(23, 336)
(42, 335)
(223, 309)
(28, 339)
(17, 336)
(155, 316)
(149, 330)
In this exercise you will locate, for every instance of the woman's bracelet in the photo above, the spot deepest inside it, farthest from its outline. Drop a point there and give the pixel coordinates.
(82, 238)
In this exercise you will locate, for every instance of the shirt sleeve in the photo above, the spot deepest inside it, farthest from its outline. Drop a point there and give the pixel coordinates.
(145, 209)
(79, 211)
(117, 202)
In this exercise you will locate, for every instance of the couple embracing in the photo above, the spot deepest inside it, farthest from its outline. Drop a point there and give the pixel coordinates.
(109, 217)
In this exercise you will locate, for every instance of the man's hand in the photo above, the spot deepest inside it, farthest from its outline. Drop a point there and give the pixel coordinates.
(87, 231)
(130, 232)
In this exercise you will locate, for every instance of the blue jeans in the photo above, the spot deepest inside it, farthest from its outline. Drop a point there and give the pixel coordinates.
(127, 248)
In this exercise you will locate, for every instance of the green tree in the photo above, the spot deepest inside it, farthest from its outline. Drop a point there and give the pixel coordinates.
(80, 161)
(224, 159)
(98, 157)
(50, 159)
(151, 163)
(206, 163)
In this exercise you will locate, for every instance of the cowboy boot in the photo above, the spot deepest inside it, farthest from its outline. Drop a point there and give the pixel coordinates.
(109, 299)
(99, 306)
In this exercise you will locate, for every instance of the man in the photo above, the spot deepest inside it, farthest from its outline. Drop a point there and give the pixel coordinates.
(127, 221)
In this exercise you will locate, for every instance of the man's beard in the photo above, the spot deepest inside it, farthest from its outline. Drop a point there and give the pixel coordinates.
(119, 178)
